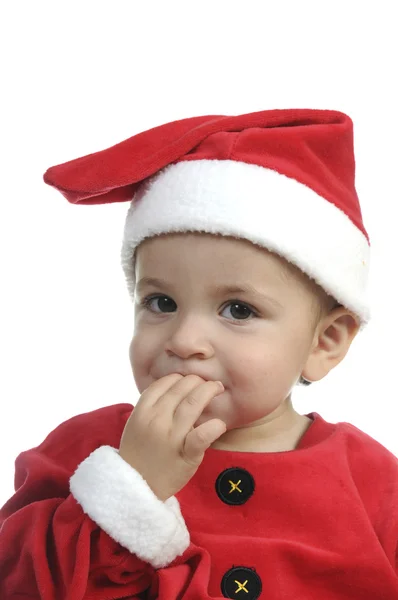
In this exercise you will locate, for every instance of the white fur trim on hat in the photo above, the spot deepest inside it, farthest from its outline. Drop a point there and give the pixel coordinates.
(121, 502)
(269, 209)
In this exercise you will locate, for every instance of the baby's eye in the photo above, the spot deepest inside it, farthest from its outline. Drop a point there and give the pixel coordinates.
(147, 303)
(239, 310)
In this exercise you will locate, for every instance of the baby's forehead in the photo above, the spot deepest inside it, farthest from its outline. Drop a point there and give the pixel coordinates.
(214, 241)
(221, 246)
(226, 252)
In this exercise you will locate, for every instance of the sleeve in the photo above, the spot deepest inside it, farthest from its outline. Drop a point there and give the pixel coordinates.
(82, 523)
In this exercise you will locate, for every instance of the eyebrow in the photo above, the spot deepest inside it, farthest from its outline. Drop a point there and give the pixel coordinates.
(240, 288)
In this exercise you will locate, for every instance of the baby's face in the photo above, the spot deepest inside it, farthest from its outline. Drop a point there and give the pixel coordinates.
(256, 342)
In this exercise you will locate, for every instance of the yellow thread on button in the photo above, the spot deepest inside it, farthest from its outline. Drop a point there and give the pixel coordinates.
(234, 486)
(241, 586)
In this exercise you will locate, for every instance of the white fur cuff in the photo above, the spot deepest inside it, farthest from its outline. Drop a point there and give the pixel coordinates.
(120, 501)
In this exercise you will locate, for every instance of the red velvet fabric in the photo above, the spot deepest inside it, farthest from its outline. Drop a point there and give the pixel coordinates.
(322, 522)
(313, 146)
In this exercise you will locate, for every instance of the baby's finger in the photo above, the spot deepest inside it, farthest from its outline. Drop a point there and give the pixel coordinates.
(190, 409)
(200, 439)
(152, 393)
(183, 390)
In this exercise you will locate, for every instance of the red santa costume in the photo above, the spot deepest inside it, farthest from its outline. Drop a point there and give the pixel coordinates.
(319, 521)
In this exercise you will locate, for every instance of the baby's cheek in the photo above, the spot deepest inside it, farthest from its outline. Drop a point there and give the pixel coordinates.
(131, 352)
(140, 368)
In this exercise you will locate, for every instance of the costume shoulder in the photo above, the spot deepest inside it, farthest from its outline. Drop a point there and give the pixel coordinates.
(374, 472)
(68, 445)
(361, 447)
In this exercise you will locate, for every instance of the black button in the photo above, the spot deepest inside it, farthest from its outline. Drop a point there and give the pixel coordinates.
(235, 486)
(241, 582)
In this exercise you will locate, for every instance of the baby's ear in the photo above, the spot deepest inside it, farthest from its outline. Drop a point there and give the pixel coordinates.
(334, 337)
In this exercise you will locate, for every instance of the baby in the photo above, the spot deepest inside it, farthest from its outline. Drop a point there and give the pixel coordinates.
(247, 259)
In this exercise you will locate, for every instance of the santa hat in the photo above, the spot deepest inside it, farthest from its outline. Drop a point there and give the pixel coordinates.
(282, 179)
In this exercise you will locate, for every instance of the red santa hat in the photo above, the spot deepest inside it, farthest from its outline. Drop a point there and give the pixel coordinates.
(282, 179)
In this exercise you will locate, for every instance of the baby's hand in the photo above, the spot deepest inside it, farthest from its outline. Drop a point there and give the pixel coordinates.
(159, 439)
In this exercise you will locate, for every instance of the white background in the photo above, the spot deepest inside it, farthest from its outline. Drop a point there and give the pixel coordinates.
(80, 76)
